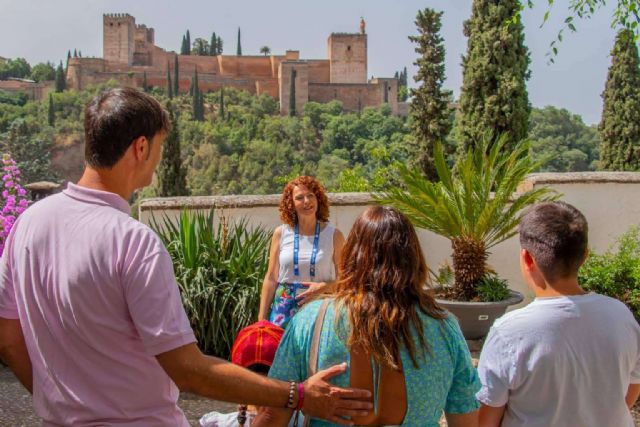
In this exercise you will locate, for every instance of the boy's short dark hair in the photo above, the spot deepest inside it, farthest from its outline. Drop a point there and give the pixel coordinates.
(556, 235)
(114, 119)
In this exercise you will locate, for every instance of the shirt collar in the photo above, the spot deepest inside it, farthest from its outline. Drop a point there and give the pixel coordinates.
(97, 197)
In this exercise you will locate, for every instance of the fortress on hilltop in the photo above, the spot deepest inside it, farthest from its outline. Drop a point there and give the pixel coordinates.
(130, 52)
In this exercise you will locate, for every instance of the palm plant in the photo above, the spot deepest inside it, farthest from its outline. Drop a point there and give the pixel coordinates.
(219, 270)
(475, 205)
(265, 50)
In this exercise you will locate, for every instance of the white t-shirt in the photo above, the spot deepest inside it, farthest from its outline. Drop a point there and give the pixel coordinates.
(562, 361)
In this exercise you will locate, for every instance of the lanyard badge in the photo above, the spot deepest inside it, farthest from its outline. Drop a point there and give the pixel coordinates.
(314, 251)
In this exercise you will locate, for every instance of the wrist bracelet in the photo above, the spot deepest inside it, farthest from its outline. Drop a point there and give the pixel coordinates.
(292, 392)
(300, 396)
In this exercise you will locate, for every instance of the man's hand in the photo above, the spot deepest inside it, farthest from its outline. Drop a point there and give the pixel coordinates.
(313, 288)
(323, 400)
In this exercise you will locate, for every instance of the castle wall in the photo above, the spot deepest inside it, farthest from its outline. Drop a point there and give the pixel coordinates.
(347, 57)
(319, 71)
(34, 91)
(254, 66)
(118, 33)
(355, 97)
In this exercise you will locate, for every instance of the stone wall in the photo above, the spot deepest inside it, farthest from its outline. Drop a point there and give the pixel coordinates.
(301, 70)
(33, 90)
(355, 97)
(610, 202)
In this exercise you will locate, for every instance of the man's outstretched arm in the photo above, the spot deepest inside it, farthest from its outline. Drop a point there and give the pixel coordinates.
(220, 380)
(13, 351)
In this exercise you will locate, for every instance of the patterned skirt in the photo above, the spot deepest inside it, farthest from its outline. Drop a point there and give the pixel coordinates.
(284, 305)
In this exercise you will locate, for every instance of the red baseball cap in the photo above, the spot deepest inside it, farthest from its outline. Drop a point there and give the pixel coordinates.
(256, 344)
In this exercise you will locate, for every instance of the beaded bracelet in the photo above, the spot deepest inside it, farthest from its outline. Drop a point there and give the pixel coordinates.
(300, 396)
(292, 392)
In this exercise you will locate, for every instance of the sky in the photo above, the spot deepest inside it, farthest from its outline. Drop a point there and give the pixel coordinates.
(44, 30)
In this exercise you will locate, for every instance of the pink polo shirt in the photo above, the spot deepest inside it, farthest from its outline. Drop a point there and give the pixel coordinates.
(97, 299)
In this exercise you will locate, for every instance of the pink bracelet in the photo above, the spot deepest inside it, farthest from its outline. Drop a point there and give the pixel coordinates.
(300, 396)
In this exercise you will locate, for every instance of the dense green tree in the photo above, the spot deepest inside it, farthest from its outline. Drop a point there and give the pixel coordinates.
(430, 104)
(30, 150)
(169, 84)
(221, 104)
(213, 45)
(43, 72)
(620, 123)
(51, 112)
(239, 49)
(183, 47)
(494, 97)
(188, 43)
(171, 172)
(197, 102)
(60, 79)
(220, 46)
(563, 140)
(176, 76)
(18, 68)
(75, 53)
(68, 57)
(200, 47)
(265, 50)
(292, 93)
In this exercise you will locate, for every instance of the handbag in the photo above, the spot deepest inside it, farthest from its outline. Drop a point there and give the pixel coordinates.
(313, 351)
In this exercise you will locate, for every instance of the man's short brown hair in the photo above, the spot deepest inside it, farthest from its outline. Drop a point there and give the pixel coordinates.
(556, 236)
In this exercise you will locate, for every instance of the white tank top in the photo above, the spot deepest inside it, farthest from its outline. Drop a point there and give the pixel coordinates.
(325, 269)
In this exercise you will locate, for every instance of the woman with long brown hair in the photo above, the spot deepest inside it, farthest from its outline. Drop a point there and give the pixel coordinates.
(385, 323)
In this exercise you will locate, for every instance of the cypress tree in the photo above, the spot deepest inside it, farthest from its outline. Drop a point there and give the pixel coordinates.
(68, 58)
(429, 109)
(292, 94)
(176, 76)
(183, 45)
(221, 109)
(79, 54)
(188, 43)
(620, 123)
(51, 112)
(60, 81)
(213, 45)
(219, 46)
(171, 173)
(494, 97)
(145, 85)
(169, 85)
(75, 53)
(239, 52)
(197, 101)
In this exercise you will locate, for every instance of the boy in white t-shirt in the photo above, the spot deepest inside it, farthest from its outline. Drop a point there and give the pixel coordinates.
(569, 358)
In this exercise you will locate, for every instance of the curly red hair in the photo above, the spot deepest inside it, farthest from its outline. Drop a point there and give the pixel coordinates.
(287, 209)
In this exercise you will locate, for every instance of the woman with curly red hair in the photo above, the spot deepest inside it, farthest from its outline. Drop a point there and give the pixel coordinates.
(304, 252)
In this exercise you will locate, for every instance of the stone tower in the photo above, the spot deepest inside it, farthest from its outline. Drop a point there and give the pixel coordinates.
(347, 58)
(119, 31)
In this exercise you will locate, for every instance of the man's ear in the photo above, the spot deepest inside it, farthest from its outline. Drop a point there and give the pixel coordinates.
(527, 259)
(140, 147)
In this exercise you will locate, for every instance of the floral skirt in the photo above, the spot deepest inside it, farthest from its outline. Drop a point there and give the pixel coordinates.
(284, 305)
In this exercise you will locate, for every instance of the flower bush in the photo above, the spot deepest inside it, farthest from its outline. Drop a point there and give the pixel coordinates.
(14, 198)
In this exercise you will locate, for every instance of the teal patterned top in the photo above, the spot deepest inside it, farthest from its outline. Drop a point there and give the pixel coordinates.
(444, 380)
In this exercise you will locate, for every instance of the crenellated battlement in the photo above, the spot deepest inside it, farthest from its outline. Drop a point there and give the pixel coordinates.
(118, 16)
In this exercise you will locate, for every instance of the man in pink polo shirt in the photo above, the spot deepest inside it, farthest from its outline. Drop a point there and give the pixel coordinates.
(91, 319)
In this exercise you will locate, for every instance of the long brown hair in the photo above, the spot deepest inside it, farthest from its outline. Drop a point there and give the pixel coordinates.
(382, 286)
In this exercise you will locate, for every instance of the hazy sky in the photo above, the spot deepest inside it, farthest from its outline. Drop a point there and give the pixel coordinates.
(41, 30)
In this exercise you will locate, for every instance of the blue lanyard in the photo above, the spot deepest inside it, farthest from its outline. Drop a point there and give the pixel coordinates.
(314, 251)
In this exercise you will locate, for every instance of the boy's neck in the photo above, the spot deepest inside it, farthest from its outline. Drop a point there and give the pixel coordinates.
(559, 288)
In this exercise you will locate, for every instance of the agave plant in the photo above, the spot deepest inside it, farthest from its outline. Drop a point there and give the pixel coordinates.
(474, 205)
(219, 270)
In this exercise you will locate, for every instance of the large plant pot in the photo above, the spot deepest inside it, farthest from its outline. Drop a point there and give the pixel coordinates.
(476, 318)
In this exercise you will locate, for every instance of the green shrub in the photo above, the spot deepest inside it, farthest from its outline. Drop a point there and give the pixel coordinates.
(616, 273)
(491, 288)
(219, 271)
